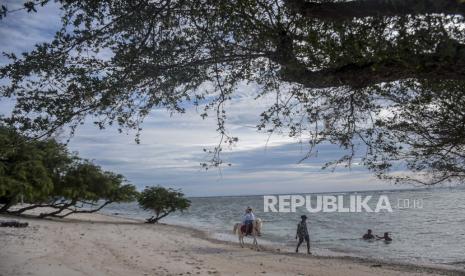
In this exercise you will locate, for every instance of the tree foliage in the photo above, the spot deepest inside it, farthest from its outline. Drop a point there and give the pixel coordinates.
(44, 174)
(23, 168)
(162, 202)
(85, 188)
(385, 77)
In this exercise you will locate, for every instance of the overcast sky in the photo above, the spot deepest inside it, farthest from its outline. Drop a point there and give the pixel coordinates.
(171, 146)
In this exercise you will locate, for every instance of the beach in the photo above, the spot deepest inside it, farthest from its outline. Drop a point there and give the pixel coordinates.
(97, 244)
(418, 233)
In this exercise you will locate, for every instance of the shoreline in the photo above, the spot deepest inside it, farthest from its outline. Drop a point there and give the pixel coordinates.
(120, 239)
(202, 234)
(274, 247)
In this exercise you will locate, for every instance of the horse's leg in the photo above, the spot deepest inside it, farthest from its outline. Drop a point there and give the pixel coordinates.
(255, 242)
(241, 240)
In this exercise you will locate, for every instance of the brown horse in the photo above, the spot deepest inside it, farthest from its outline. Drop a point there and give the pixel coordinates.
(256, 231)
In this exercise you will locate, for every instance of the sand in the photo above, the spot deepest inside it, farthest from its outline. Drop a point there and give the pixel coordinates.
(96, 244)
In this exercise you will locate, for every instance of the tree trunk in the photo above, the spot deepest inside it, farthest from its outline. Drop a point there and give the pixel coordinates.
(22, 210)
(347, 10)
(155, 219)
(6, 206)
(83, 211)
(151, 220)
(438, 65)
(60, 209)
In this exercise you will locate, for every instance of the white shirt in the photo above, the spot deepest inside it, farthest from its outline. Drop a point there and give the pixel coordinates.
(248, 216)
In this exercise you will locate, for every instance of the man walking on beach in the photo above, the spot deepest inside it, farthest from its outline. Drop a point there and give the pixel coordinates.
(302, 234)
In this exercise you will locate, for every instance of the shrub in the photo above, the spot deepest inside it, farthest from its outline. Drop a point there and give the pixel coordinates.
(162, 202)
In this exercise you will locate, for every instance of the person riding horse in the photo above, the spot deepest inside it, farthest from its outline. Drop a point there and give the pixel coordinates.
(248, 220)
(249, 226)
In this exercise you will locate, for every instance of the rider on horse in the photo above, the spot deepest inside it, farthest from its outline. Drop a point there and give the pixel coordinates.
(248, 220)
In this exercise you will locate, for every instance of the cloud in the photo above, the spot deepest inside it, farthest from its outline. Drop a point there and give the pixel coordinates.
(171, 152)
(20, 31)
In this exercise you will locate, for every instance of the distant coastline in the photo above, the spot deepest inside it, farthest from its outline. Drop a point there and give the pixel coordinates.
(419, 188)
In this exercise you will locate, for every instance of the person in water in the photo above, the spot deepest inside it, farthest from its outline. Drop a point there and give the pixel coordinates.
(302, 234)
(385, 237)
(248, 220)
(368, 235)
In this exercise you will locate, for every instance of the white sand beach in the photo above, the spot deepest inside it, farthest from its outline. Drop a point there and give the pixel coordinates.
(97, 244)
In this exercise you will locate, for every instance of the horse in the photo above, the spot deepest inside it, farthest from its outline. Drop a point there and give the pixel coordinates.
(256, 231)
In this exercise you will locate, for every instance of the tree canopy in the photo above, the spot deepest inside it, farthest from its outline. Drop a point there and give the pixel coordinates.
(44, 174)
(162, 202)
(382, 76)
(27, 168)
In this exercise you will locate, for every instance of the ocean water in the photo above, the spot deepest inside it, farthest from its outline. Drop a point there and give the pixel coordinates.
(433, 233)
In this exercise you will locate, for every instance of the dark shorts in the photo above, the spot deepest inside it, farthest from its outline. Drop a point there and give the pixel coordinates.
(306, 238)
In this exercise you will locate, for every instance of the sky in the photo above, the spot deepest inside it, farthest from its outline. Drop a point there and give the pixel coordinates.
(171, 147)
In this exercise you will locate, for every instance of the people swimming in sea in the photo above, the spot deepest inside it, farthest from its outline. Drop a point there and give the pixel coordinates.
(385, 237)
(302, 234)
(368, 235)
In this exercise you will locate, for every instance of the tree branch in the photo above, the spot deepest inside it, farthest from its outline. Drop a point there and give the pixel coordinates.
(347, 10)
(76, 211)
(434, 66)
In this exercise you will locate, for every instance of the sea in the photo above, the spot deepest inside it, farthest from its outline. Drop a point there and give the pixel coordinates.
(427, 225)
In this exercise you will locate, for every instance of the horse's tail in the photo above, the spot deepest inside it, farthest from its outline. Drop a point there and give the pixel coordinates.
(235, 228)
